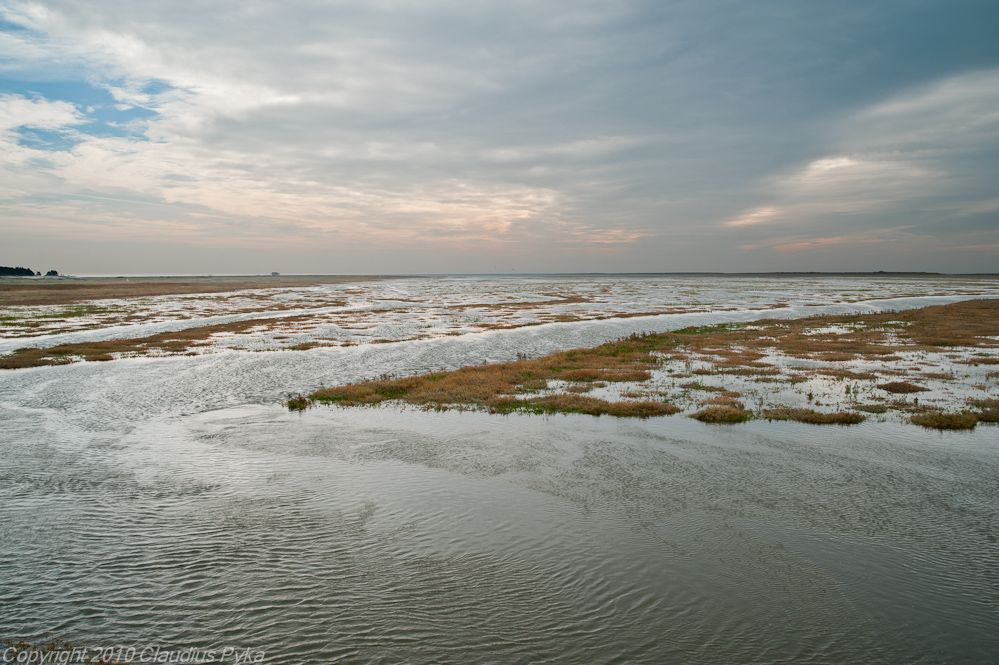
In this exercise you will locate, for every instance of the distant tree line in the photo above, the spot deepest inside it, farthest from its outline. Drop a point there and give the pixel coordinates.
(25, 272)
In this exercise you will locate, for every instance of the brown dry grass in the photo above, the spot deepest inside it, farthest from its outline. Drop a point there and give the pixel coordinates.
(581, 404)
(694, 385)
(625, 375)
(837, 357)
(842, 373)
(941, 420)
(723, 400)
(869, 336)
(901, 387)
(169, 343)
(939, 376)
(988, 409)
(298, 403)
(722, 415)
(814, 417)
(64, 292)
(980, 361)
(568, 300)
(492, 386)
(734, 350)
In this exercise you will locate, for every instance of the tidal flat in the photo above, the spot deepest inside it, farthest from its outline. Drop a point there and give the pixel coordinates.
(173, 499)
(866, 363)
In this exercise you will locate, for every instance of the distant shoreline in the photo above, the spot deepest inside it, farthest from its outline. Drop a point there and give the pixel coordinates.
(298, 276)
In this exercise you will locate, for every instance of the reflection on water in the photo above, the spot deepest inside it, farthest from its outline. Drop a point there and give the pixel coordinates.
(176, 503)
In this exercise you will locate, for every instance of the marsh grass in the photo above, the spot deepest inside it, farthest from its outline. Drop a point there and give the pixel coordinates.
(735, 349)
(299, 403)
(169, 343)
(722, 415)
(723, 400)
(78, 311)
(902, 387)
(988, 409)
(592, 406)
(494, 386)
(871, 408)
(700, 386)
(980, 361)
(941, 420)
(814, 417)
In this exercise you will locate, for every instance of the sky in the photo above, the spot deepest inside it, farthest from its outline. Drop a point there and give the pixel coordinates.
(467, 136)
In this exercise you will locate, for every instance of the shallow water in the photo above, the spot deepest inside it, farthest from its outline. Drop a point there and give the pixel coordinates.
(429, 307)
(175, 502)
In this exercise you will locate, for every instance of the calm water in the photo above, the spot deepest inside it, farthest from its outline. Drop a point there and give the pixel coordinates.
(176, 503)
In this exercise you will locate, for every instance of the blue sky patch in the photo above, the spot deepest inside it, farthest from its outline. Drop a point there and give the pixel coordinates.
(104, 118)
(44, 139)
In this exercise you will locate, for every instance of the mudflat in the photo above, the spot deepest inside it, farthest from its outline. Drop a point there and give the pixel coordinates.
(819, 370)
(16, 291)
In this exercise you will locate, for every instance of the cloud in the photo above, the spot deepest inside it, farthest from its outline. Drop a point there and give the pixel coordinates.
(758, 216)
(562, 127)
(18, 111)
(921, 157)
(822, 243)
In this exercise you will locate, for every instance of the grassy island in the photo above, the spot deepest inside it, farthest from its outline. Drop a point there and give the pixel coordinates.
(846, 366)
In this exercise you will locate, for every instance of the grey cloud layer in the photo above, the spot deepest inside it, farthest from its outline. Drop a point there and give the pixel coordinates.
(572, 136)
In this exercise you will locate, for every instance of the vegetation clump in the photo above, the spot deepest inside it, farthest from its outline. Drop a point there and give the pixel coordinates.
(722, 415)
(813, 417)
(167, 343)
(495, 387)
(694, 385)
(898, 387)
(524, 385)
(941, 420)
(980, 360)
(299, 403)
(582, 404)
(988, 410)
(871, 408)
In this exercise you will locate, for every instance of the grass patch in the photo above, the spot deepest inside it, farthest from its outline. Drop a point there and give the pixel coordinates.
(901, 387)
(941, 420)
(584, 375)
(78, 311)
(694, 385)
(581, 404)
(492, 386)
(837, 357)
(304, 346)
(169, 343)
(988, 410)
(724, 400)
(299, 403)
(735, 348)
(814, 417)
(980, 361)
(722, 415)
